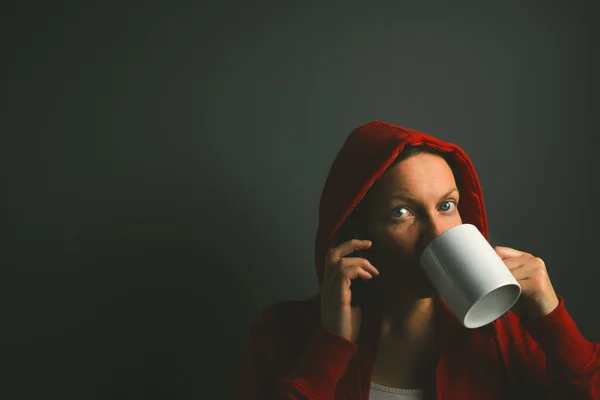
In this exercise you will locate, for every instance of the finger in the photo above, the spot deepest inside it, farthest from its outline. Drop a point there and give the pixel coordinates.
(354, 272)
(514, 262)
(346, 248)
(332, 259)
(363, 262)
(506, 252)
(348, 275)
(329, 266)
(523, 272)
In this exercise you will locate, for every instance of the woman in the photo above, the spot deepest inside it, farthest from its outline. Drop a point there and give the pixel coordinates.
(390, 191)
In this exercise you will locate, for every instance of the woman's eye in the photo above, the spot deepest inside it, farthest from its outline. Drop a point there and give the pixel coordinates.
(445, 209)
(398, 212)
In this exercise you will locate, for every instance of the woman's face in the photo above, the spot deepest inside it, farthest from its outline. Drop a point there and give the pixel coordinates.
(412, 203)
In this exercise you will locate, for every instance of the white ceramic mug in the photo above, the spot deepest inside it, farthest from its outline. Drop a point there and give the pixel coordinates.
(470, 276)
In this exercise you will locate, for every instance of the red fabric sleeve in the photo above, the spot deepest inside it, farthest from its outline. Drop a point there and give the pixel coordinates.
(558, 349)
(315, 376)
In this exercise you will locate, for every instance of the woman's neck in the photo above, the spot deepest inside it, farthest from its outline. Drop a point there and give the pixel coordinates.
(409, 320)
(407, 354)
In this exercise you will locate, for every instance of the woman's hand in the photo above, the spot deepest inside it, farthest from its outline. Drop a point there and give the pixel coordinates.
(538, 297)
(336, 313)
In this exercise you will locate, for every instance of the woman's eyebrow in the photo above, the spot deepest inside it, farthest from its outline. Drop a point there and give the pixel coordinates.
(412, 200)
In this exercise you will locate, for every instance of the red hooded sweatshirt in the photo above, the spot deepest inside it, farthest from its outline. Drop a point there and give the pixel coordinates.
(290, 355)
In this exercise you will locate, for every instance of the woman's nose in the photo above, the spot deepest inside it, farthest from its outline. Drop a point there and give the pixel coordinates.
(433, 229)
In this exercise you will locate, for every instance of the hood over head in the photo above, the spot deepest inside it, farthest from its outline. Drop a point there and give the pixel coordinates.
(365, 155)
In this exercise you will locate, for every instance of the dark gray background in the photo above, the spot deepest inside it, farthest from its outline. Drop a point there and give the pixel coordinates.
(164, 165)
